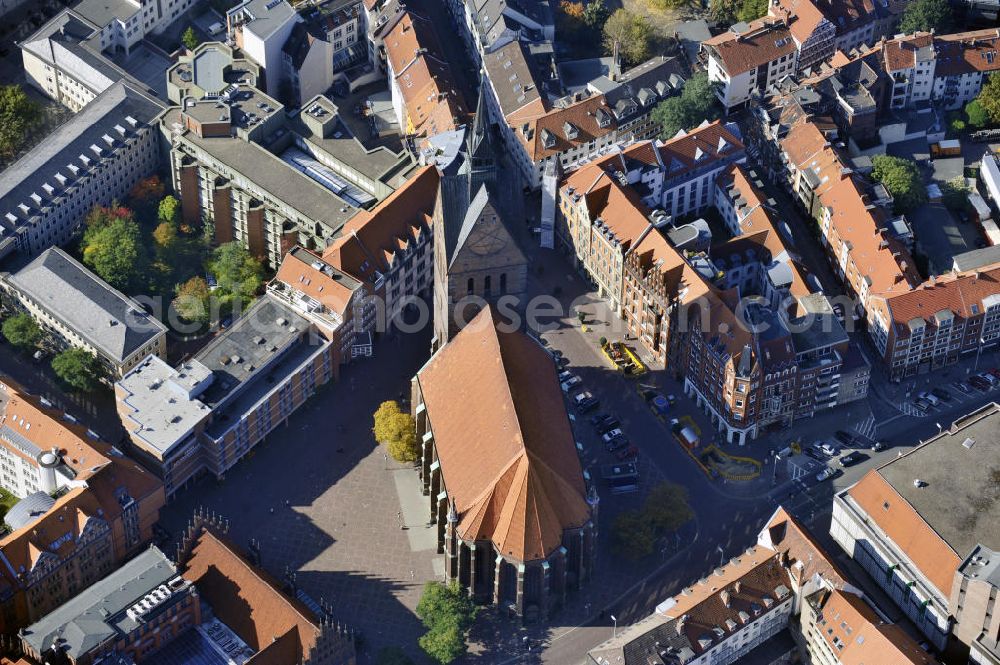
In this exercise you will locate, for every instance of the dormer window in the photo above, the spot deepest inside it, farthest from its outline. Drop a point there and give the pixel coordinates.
(548, 139)
(570, 131)
(603, 118)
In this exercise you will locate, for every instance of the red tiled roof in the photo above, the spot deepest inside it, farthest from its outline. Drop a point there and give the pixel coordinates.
(958, 293)
(518, 481)
(902, 53)
(581, 117)
(858, 636)
(248, 601)
(424, 78)
(306, 272)
(904, 527)
(765, 41)
(803, 17)
(369, 239)
(967, 52)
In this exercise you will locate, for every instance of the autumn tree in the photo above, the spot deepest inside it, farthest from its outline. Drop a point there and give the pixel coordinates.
(630, 33)
(193, 300)
(169, 210)
(989, 98)
(112, 247)
(382, 416)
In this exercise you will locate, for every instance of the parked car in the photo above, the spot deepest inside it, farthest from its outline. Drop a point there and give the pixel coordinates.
(962, 387)
(585, 402)
(613, 434)
(570, 383)
(565, 376)
(627, 453)
(942, 394)
(988, 378)
(878, 446)
(616, 444)
(921, 404)
(600, 419)
(850, 459)
(824, 474)
(929, 398)
(828, 448)
(815, 454)
(980, 383)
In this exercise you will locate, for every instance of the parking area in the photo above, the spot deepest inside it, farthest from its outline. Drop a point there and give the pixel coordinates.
(933, 400)
(940, 235)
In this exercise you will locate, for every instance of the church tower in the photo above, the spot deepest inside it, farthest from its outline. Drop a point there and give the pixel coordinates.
(477, 260)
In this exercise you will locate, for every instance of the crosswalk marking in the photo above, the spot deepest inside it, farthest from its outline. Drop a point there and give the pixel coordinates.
(866, 427)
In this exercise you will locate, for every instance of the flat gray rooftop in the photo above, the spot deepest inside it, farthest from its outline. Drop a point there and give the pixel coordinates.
(98, 612)
(959, 497)
(266, 170)
(977, 258)
(101, 12)
(84, 303)
(264, 332)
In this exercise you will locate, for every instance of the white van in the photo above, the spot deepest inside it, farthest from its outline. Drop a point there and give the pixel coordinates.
(216, 28)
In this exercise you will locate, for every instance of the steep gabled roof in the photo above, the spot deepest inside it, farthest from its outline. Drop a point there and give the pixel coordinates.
(503, 440)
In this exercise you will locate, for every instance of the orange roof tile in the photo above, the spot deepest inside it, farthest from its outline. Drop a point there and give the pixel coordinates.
(904, 526)
(856, 634)
(765, 41)
(370, 238)
(518, 482)
(424, 77)
(902, 53)
(560, 124)
(958, 293)
(247, 600)
(308, 273)
(803, 17)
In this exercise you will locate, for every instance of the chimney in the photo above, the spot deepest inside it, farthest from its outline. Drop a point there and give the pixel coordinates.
(724, 595)
(681, 622)
(737, 586)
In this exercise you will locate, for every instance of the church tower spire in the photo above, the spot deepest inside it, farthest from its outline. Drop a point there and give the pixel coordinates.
(479, 149)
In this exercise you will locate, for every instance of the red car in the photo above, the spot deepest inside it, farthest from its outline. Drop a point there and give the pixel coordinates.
(627, 453)
(995, 372)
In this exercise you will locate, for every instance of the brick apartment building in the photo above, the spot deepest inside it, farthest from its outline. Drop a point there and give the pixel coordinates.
(735, 316)
(916, 325)
(102, 513)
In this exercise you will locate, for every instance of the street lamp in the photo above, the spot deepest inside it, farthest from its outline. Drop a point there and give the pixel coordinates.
(614, 631)
(979, 350)
(722, 555)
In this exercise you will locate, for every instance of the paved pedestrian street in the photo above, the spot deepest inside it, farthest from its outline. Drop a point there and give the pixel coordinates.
(322, 500)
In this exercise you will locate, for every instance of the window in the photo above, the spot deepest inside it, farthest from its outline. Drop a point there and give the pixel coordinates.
(486, 285)
(503, 283)
(472, 286)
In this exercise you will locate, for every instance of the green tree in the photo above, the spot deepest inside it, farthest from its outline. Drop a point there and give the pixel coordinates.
(902, 178)
(632, 536)
(22, 331)
(724, 11)
(666, 508)
(666, 4)
(190, 39)
(19, 114)
(989, 98)
(447, 612)
(238, 274)
(697, 102)
(169, 210)
(79, 368)
(955, 194)
(112, 247)
(630, 32)
(192, 301)
(976, 114)
(926, 15)
(751, 10)
(595, 13)
(392, 656)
